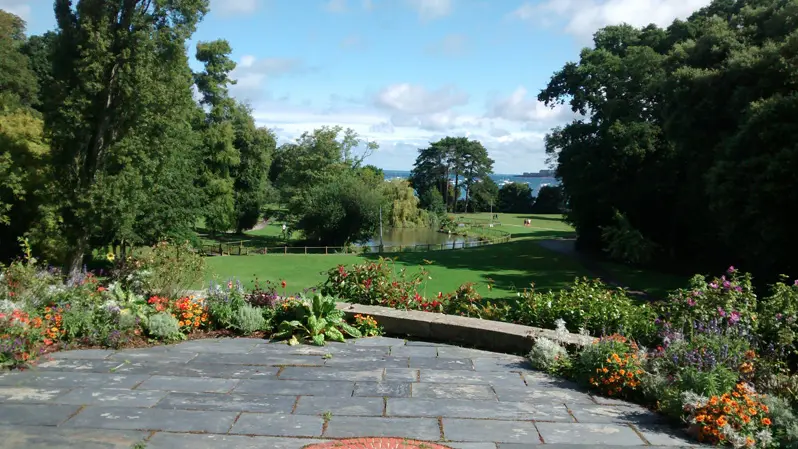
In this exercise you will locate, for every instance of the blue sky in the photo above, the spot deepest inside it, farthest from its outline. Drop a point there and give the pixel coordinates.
(407, 72)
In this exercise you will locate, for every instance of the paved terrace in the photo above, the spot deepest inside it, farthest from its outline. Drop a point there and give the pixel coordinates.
(246, 393)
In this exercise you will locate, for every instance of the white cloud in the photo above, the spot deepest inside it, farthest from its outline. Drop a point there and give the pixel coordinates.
(411, 99)
(431, 9)
(19, 8)
(451, 45)
(235, 7)
(582, 18)
(518, 107)
(335, 6)
(251, 74)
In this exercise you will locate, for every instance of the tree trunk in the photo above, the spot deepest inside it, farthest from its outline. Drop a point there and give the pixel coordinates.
(468, 192)
(75, 257)
(456, 191)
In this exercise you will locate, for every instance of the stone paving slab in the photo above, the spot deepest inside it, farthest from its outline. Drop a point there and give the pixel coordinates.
(111, 397)
(164, 440)
(338, 388)
(189, 384)
(31, 437)
(228, 402)
(70, 380)
(426, 429)
(383, 389)
(35, 414)
(460, 408)
(129, 418)
(278, 425)
(251, 393)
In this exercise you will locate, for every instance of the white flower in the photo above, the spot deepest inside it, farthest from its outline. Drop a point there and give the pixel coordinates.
(548, 304)
(559, 324)
(7, 306)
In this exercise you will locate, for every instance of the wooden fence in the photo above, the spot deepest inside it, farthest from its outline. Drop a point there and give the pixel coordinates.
(244, 248)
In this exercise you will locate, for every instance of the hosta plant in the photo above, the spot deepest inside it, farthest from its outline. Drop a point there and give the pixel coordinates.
(319, 320)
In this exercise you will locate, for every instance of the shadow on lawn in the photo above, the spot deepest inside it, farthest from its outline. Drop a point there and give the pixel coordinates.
(511, 266)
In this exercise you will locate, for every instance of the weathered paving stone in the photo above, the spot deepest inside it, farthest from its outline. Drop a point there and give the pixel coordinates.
(490, 431)
(543, 395)
(127, 418)
(414, 351)
(660, 435)
(79, 365)
(501, 364)
(456, 352)
(417, 428)
(296, 387)
(228, 402)
(31, 437)
(592, 434)
(165, 440)
(70, 380)
(425, 343)
(601, 400)
(189, 384)
(82, 354)
(367, 363)
(317, 405)
(453, 391)
(472, 377)
(471, 445)
(192, 369)
(303, 373)
(261, 359)
(214, 347)
(111, 397)
(280, 425)
(356, 351)
(378, 341)
(401, 375)
(603, 414)
(383, 389)
(565, 446)
(444, 364)
(461, 408)
(35, 414)
(151, 355)
(30, 395)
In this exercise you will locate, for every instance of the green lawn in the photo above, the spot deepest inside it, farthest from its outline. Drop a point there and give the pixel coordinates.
(511, 266)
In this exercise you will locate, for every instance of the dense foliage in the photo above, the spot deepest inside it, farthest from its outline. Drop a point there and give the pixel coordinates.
(689, 133)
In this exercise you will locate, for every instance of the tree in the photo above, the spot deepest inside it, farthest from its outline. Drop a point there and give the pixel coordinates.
(256, 147)
(515, 197)
(220, 154)
(123, 86)
(403, 210)
(340, 211)
(18, 86)
(548, 201)
(432, 201)
(484, 196)
(451, 156)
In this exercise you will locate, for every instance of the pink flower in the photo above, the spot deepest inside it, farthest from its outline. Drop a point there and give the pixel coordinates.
(726, 284)
(721, 312)
(713, 284)
(731, 269)
(690, 302)
(735, 317)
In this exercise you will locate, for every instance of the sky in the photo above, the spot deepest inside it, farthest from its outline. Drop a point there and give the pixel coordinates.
(404, 73)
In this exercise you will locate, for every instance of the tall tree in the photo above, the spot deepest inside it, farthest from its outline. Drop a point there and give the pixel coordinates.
(256, 147)
(515, 197)
(119, 72)
(220, 155)
(18, 86)
(484, 196)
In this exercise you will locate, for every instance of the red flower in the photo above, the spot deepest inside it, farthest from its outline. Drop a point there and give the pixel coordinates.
(283, 284)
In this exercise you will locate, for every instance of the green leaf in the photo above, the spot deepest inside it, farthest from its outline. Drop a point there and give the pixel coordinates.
(318, 339)
(293, 341)
(353, 332)
(334, 334)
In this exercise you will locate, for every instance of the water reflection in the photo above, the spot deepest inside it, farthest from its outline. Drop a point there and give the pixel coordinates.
(395, 237)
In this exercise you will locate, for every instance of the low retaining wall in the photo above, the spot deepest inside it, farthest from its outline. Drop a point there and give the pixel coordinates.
(474, 332)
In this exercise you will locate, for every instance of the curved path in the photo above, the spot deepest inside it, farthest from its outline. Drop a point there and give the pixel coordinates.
(247, 393)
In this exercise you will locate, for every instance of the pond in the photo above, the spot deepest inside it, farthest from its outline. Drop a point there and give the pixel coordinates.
(411, 237)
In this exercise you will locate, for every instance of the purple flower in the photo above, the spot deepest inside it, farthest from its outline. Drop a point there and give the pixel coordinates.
(690, 302)
(778, 316)
(734, 317)
(731, 269)
(696, 292)
(738, 289)
(726, 284)
(713, 284)
(795, 284)
(721, 312)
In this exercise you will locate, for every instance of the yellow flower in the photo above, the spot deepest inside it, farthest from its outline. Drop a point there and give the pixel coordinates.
(110, 256)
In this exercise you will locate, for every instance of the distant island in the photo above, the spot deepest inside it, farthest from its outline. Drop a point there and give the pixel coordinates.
(540, 174)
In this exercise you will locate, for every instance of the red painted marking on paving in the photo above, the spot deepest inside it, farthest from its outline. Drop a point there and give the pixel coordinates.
(377, 443)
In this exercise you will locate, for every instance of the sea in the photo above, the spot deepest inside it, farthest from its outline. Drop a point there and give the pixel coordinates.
(500, 179)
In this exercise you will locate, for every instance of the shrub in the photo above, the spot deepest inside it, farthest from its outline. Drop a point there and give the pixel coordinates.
(20, 337)
(248, 319)
(587, 304)
(548, 356)
(375, 283)
(778, 317)
(223, 301)
(318, 320)
(165, 269)
(164, 326)
(191, 313)
(611, 365)
(785, 422)
(728, 301)
(738, 417)
(465, 301)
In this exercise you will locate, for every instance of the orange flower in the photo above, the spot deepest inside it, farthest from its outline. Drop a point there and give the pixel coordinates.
(766, 421)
